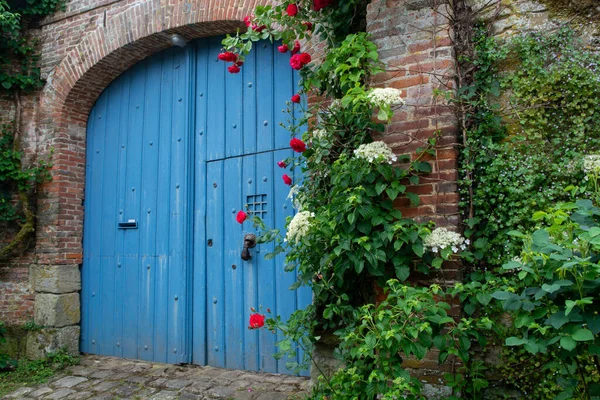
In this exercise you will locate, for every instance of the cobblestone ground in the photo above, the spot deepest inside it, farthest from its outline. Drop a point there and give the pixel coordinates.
(109, 378)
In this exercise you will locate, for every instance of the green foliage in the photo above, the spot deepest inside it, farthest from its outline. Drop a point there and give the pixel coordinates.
(408, 324)
(13, 177)
(31, 326)
(524, 147)
(356, 237)
(345, 67)
(19, 72)
(27, 373)
(18, 58)
(535, 374)
(5, 360)
(555, 284)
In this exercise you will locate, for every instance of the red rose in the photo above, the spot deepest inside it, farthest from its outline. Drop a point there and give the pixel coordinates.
(228, 56)
(233, 69)
(296, 98)
(239, 63)
(281, 164)
(292, 10)
(305, 58)
(308, 25)
(296, 47)
(318, 4)
(286, 179)
(295, 62)
(283, 48)
(241, 217)
(248, 22)
(298, 145)
(257, 321)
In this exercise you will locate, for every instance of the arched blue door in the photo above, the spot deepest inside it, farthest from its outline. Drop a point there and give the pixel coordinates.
(175, 148)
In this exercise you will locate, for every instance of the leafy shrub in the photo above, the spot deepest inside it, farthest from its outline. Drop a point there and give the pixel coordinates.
(523, 148)
(553, 294)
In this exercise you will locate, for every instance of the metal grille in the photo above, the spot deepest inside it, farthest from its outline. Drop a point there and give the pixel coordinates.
(257, 204)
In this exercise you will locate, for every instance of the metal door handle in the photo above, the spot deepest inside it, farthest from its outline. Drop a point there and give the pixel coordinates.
(249, 243)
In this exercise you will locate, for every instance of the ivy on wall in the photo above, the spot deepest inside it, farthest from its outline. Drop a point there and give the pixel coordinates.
(19, 73)
(534, 111)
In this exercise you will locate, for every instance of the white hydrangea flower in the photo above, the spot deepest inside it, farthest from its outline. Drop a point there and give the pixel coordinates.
(319, 134)
(375, 152)
(299, 226)
(387, 96)
(591, 164)
(441, 238)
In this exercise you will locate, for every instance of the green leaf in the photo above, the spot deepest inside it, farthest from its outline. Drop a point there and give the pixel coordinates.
(501, 295)
(583, 335)
(402, 272)
(351, 218)
(380, 187)
(418, 249)
(595, 231)
(423, 166)
(567, 343)
(414, 198)
(531, 347)
(550, 288)
(515, 341)
(6, 84)
(465, 343)
(557, 320)
(483, 298)
(437, 262)
(541, 238)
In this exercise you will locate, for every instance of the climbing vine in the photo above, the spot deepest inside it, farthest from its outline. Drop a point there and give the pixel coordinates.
(529, 111)
(528, 129)
(19, 73)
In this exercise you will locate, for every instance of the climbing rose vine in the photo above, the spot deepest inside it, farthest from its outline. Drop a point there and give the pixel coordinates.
(346, 235)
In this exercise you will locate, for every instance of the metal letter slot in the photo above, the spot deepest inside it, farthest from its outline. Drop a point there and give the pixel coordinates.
(130, 224)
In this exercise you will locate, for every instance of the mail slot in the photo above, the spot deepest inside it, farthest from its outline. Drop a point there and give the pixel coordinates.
(131, 224)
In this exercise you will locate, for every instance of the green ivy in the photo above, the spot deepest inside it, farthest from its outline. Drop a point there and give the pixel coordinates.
(525, 146)
(19, 72)
(18, 58)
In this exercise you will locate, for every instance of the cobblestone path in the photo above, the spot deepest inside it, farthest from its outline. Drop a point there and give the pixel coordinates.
(110, 378)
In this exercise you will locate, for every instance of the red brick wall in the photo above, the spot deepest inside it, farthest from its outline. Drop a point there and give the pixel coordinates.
(415, 45)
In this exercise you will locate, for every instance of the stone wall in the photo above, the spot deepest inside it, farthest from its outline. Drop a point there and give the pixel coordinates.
(93, 41)
(512, 17)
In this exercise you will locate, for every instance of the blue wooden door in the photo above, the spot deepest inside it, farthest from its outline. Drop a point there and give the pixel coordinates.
(136, 274)
(176, 147)
(240, 141)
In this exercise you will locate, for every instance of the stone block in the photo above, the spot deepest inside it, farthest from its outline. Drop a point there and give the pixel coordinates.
(325, 361)
(55, 278)
(57, 310)
(50, 340)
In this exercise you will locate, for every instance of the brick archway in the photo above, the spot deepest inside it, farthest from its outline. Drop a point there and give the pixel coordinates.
(71, 90)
